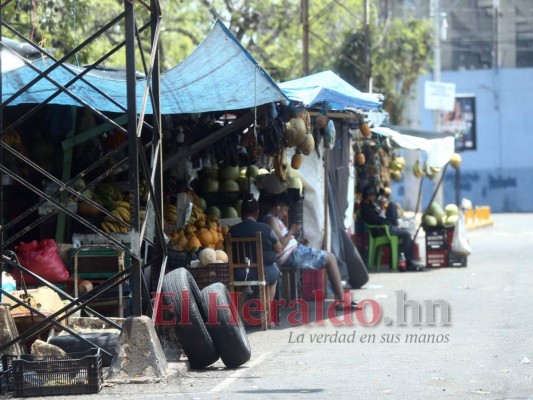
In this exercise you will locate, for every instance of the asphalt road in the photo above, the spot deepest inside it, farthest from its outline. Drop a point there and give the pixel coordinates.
(479, 350)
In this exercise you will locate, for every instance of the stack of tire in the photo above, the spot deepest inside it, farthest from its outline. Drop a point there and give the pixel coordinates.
(203, 337)
(207, 325)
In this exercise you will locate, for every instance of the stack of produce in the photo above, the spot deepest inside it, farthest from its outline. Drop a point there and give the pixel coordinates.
(437, 216)
(200, 231)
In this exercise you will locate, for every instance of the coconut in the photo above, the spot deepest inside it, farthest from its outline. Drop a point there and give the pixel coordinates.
(456, 160)
(229, 212)
(307, 145)
(451, 209)
(429, 220)
(210, 185)
(451, 220)
(252, 171)
(207, 256)
(229, 186)
(213, 212)
(229, 173)
(295, 132)
(211, 172)
(221, 256)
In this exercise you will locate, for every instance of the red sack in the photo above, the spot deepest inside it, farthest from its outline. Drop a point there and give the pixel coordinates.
(41, 258)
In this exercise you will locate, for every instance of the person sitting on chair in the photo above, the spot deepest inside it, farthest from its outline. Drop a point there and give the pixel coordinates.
(299, 254)
(372, 214)
(391, 208)
(271, 245)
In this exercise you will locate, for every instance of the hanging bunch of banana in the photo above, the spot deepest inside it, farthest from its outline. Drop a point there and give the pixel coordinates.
(418, 171)
(196, 214)
(396, 168)
(108, 193)
(122, 212)
(281, 165)
(431, 172)
(143, 190)
(170, 214)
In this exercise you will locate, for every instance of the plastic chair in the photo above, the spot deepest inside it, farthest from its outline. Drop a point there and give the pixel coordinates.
(243, 253)
(376, 243)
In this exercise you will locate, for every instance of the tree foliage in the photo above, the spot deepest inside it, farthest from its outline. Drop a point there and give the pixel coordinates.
(399, 53)
(270, 30)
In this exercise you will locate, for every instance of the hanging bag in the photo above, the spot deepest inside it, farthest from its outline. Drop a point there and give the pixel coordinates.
(41, 258)
(460, 243)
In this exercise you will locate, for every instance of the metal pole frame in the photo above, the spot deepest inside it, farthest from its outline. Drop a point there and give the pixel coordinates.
(139, 166)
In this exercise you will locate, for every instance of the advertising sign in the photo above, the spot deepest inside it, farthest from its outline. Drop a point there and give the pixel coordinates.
(461, 122)
(439, 96)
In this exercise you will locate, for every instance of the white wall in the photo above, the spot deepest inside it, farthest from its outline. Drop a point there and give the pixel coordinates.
(500, 172)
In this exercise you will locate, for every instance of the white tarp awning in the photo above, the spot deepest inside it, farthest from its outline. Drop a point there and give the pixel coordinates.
(438, 150)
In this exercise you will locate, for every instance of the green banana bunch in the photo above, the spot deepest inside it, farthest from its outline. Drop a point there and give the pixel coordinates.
(418, 171)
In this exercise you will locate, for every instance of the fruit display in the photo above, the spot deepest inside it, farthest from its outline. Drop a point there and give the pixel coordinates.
(200, 231)
(437, 216)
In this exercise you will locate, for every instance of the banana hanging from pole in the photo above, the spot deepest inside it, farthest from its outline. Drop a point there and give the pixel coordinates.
(418, 171)
(281, 165)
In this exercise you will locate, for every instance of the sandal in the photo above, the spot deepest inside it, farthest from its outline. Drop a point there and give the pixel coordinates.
(341, 306)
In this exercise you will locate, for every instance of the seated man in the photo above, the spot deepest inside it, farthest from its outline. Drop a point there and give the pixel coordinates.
(299, 255)
(391, 213)
(372, 214)
(271, 245)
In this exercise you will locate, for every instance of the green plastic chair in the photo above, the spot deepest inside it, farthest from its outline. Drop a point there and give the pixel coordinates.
(376, 244)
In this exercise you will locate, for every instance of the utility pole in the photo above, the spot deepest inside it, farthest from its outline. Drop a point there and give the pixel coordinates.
(305, 39)
(368, 63)
(435, 13)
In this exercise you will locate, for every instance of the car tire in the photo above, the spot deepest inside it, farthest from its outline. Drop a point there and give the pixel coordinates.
(105, 340)
(193, 336)
(227, 330)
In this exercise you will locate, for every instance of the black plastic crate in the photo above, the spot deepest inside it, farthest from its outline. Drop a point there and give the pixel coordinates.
(77, 373)
(435, 238)
(436, 258)
(211, 273)
(6, 374)
(456, 260)
(178, 259)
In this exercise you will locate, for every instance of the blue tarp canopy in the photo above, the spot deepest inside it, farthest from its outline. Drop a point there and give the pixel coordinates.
(328, 88)
(220, 74)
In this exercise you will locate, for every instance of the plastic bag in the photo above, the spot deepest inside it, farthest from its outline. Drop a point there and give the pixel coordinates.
(8, 283)
(460, 243)
(41, 258)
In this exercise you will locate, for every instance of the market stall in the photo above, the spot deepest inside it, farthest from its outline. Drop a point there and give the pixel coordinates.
(72, 128)
(337, 109)
(385, 154)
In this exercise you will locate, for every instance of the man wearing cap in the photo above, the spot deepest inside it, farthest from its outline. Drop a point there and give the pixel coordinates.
(372, 214)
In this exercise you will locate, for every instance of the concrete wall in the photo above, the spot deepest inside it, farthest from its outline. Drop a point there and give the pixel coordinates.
(500, 172)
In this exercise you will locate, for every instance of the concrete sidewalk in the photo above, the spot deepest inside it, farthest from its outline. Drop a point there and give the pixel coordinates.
(482, 352)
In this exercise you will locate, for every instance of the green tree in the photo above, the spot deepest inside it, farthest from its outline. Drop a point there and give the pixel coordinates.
(270, 30)
(399, 52)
